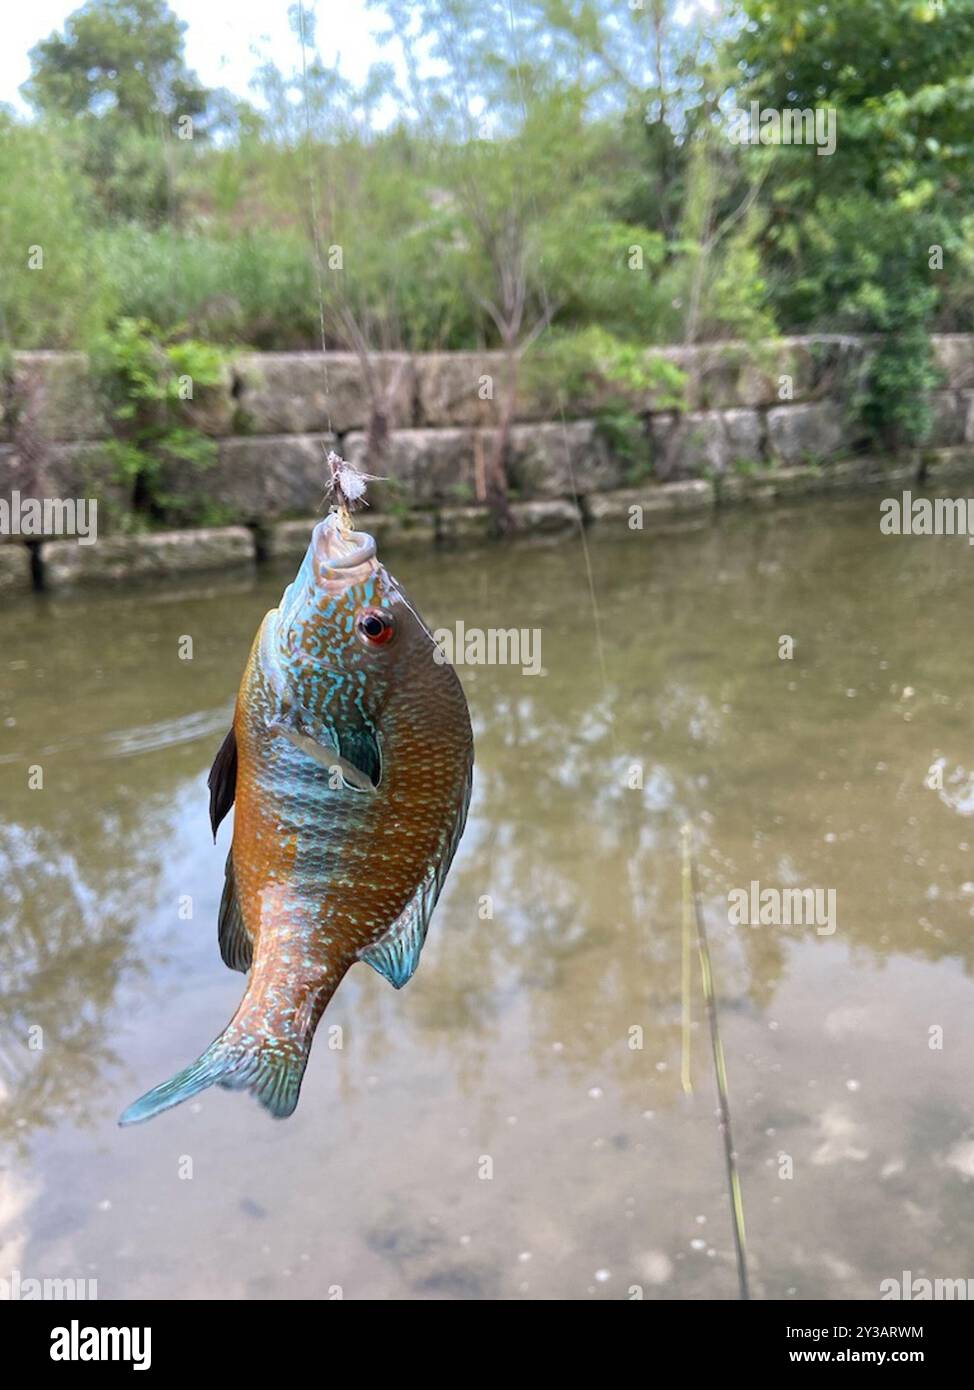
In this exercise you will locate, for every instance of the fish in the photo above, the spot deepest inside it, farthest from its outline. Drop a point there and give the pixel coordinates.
(349, 765)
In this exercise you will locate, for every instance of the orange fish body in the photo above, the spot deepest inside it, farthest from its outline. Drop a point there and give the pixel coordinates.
(350, 761)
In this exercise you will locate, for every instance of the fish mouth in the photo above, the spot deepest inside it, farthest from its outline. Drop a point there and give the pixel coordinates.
(335, 549)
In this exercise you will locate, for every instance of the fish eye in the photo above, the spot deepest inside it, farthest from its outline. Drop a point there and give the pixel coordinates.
(375, 627)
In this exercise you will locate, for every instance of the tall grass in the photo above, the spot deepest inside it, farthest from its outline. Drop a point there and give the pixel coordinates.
(249, 287)
(53, 289)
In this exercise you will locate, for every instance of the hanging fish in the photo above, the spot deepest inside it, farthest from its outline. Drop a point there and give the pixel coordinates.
(350, 760)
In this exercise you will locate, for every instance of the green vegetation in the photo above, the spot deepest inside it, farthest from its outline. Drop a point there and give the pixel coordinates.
(879, 237)
(151, 381)
(616, 381)
(559, 181)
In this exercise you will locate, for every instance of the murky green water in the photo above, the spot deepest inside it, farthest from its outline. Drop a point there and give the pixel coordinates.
(513, 1040)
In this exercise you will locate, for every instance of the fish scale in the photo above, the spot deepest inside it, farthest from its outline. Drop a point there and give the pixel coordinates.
(350, 761)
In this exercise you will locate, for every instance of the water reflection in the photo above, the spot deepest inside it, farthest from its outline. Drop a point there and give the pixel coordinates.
(513, 1041)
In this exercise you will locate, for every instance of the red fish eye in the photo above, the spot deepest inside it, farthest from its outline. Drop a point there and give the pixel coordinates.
(375, 626)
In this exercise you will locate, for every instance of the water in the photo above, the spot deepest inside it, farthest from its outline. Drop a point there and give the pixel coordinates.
(512, 1043)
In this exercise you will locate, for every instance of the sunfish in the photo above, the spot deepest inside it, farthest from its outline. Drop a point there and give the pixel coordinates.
(350, 760)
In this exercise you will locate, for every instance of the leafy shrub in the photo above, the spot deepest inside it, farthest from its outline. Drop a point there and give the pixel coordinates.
(144, 374)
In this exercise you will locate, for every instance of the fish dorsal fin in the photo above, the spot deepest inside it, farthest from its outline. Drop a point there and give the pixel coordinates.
(236, 945)
(222, 780)
(396, 955)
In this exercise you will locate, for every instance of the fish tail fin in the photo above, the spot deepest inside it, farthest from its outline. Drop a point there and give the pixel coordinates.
(247, 1056)
(206, 1071)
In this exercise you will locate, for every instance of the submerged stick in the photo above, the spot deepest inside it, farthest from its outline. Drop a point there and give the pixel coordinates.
(686, 1036)
(706, 971)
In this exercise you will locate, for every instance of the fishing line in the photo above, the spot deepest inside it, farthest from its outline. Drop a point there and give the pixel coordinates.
(690, 885)
(315, 226)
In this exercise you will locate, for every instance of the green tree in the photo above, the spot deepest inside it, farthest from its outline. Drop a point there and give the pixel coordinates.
(876, 237)
(117, 60)
(527, 181)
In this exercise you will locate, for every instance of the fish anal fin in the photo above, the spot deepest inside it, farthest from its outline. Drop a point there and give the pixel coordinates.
(236, 944)
(396, 954)
(222, 780)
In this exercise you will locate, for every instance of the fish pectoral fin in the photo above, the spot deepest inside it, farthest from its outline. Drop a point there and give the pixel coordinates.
(324, 753)
(360, 747)
(236, 943)
(222, 780)
(396, 955)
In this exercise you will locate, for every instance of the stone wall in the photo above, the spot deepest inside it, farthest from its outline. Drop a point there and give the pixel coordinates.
(756, 423)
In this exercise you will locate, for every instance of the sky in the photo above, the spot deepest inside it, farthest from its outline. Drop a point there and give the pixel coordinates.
(225, 39)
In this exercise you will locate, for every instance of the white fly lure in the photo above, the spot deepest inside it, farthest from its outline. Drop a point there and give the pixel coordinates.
(347, 483)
